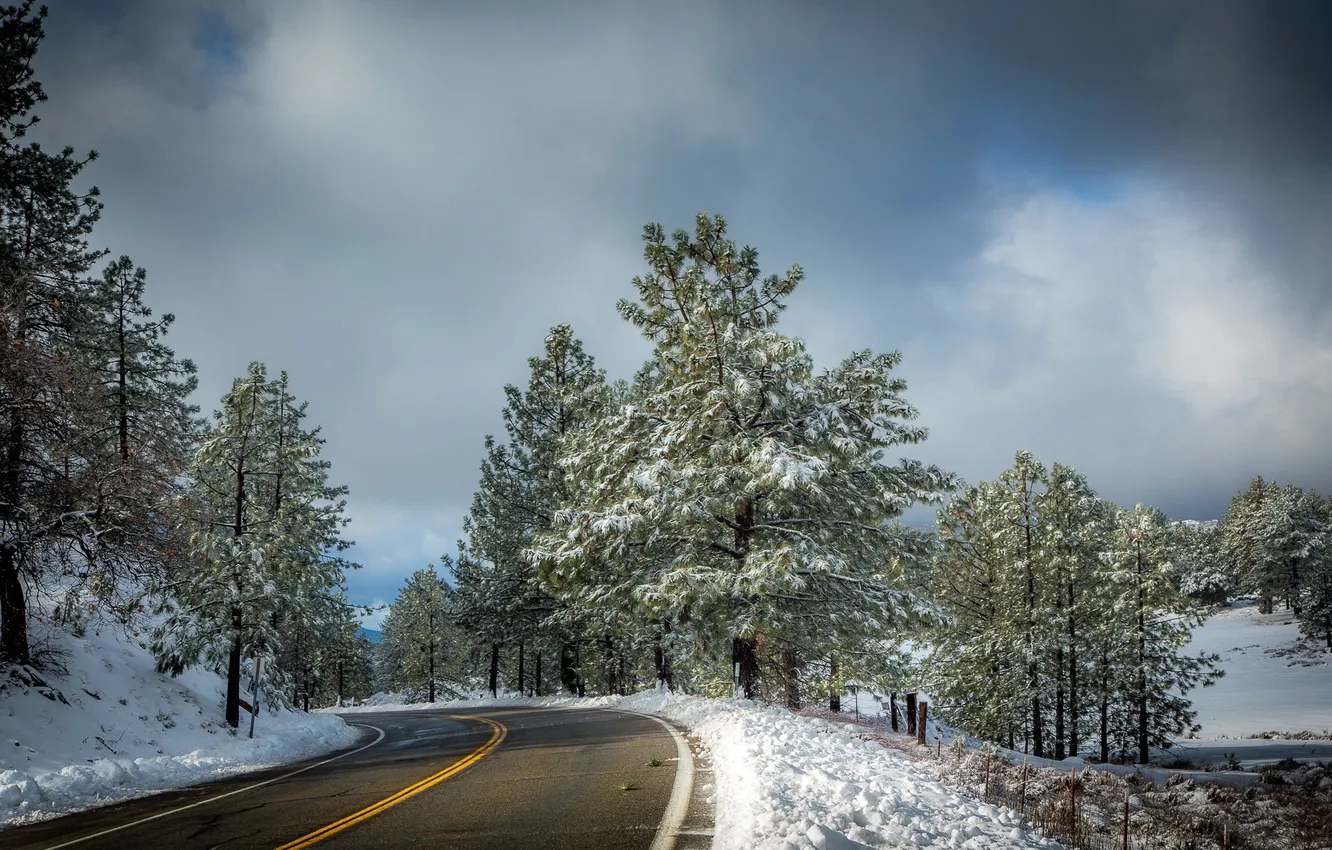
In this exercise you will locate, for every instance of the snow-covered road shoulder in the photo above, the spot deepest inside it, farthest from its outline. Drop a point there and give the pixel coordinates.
(784, 781)
(113, 729)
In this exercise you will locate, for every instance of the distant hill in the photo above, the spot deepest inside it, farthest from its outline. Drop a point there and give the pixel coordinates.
(369, 633)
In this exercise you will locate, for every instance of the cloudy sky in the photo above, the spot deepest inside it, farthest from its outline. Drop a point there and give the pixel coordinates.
(1101, 232)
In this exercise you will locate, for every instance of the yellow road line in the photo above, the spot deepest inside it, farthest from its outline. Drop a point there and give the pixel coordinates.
(498, 732)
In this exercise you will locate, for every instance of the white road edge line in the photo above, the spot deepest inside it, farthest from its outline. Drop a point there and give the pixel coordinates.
(678, 805)
(222, 796)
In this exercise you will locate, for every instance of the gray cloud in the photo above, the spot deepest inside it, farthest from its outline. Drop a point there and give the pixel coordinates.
(1096, 232)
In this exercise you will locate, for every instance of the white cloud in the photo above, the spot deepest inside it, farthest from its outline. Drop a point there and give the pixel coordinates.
(1140, 339)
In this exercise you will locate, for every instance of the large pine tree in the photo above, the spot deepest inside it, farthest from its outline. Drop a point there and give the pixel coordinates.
(265, 530)
(765, 480)
(521, 488)
(1157, 620)
(44, 256)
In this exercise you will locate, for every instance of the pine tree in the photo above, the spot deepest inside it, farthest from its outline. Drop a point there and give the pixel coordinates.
(969, 583)
(422, 641)
(1240, 535)
(44, 255)
(1076, 524)
(1200, 562)
(764, 480)
(1158, 619)
(520, 490)
(1292, 538)
(135, 427)
(265, 528)
(1316, 615)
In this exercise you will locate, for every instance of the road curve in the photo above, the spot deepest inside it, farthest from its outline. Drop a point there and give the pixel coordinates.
(495, 778)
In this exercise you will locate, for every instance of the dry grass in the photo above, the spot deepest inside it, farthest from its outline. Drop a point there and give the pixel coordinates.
(1291, 811)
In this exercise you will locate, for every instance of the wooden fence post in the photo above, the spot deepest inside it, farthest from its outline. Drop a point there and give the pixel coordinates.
(1022, 806)
(911, 713)
(1126, 836)
(920, 722)
(1073, 804)
(892, 702)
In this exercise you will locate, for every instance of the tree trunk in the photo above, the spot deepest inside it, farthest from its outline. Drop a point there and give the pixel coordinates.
(432, 663)
(1142, 665)
(744, 655)
(1033, 672)
(1037, 728)
(536, 676)
(122, 394)
(663, 658)
(233, 676)
(494, 669)
(568, 668)
(578, 663)
(791, 677)
(1059, 706)
(13, 607)
(522, 669)
(1105, 730)
(834, 685)
(13, 610)
(1073, 705)
(608, 663)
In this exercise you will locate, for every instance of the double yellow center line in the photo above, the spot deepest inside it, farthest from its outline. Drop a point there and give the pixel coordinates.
(497, 734)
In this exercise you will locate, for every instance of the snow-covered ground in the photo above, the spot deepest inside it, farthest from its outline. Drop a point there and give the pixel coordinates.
(784, 781)
(118, 729)
(1274, 681)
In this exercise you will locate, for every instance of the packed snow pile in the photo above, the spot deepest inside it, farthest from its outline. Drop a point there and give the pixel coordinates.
(113, 728)
(784, 781)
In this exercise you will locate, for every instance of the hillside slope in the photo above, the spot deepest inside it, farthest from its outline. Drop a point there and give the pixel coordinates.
(111, 728)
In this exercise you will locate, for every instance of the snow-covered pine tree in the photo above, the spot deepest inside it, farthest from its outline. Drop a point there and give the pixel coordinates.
(520, 489)
(265, 528)
(1158, 620)
(764, 480)
(1200, 562)
(44, 255)
(968, 584)
(1316, 615)
(1076, 525)
(1241, 532)
(1293, 536)
(1022, 539)
(422, 642)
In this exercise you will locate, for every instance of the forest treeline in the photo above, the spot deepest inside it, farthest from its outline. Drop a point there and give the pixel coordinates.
(728, 522)
(118, 503)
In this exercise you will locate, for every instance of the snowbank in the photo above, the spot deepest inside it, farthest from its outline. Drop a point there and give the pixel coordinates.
(113, 729)
(784, 781)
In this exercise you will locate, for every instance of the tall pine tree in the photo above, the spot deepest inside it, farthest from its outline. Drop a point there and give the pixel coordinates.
(764, 480)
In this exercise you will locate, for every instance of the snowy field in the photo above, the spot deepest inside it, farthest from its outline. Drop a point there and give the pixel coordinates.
(122, 731)
(787, 782)
(1274, 681)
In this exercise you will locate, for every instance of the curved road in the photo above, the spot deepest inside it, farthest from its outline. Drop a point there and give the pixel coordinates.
(497, 778)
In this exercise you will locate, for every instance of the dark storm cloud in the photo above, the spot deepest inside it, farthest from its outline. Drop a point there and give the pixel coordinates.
(1096, 230)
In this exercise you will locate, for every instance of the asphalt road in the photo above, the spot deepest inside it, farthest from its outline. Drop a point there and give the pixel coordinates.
(497, 778)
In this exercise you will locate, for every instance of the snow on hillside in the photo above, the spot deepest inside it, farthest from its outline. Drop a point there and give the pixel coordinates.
(113, 729)
(788, 782)
(1274, 681)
